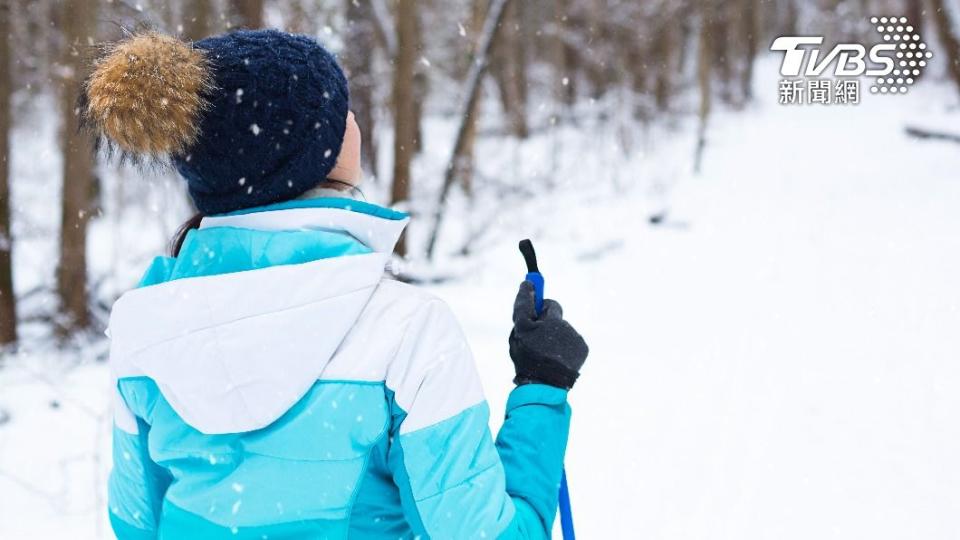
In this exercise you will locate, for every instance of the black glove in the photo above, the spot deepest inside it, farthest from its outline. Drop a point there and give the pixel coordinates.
(545, 349)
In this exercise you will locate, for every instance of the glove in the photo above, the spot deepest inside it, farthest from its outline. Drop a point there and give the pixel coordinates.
(545, 349)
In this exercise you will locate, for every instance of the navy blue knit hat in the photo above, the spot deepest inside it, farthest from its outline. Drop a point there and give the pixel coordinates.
(248, 118)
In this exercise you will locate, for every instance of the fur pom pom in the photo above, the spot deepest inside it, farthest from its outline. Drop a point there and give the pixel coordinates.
(146, 93)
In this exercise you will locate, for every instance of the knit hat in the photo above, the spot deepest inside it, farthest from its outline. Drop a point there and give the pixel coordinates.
(248, 118)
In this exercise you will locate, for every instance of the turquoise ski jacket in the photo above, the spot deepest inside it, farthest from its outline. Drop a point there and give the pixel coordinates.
(271, 383)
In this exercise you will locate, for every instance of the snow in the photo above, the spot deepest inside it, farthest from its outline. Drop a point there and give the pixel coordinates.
(776, 359)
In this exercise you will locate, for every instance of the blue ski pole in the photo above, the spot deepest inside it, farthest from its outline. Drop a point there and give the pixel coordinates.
(534, 276)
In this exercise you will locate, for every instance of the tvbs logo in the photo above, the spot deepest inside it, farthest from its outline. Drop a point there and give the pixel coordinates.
(896, 61)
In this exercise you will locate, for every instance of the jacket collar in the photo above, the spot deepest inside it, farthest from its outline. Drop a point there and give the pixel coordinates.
(374, 226)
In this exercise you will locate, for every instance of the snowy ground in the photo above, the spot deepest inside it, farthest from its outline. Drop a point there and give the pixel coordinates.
(778, 360)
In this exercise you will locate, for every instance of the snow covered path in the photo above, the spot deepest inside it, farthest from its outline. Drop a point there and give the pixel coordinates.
(783, 362)
(779, 361)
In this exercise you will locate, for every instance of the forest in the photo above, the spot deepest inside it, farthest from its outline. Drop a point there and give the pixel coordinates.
(767, 285)
(491, 69)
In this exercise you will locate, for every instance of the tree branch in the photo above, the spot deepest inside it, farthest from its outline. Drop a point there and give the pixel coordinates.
(922, 133)
(477, 70)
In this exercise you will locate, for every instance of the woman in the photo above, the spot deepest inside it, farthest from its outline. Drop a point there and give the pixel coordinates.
(270, 382)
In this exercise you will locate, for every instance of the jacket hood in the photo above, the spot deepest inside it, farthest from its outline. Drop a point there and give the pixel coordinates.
(232, 352)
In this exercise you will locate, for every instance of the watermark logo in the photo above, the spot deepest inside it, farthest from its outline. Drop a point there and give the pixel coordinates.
(894, 63)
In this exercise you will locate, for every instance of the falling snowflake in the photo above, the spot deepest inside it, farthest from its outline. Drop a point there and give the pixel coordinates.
(255, 129)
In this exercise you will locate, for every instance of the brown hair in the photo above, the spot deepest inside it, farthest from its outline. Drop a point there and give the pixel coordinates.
(177, 241)
(194, 222)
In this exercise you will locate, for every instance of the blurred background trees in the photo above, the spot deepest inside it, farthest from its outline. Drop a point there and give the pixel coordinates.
(8, 303)
(552, 64)
(78, 199)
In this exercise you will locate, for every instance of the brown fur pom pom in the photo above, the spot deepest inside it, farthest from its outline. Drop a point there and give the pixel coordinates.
(145, 94)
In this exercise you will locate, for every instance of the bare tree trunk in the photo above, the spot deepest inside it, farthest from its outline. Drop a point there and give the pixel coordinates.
(8, 300)
(635, 54)
(197, 15)
(421, 87)
(466, 166)
(358, 61)
(748, 32)
(79, 32)
(521, 64)
(404, 109)
(704, 63)
(471, 95)
(943, 20)
(509, 69)
(247, 13)
(663, 50)
(718, 24)
(686, 13)
(591, 21)
(567, 61)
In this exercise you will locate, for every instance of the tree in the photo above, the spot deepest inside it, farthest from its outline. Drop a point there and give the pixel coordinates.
(946, 26)
(705, 58)
(421, 85)
(663, 51)
(404, 109)
(748, 33)
(247, 13)
(718, 33)
(466, 166)
(471, 95)
(8, 301)
(510, 70)
(79, 31)
(566, 61)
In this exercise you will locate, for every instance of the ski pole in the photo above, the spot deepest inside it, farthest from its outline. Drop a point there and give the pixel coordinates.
(534, 276)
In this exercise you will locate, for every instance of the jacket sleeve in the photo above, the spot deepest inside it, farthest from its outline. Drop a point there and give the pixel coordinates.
(137, 485)
(455, 483)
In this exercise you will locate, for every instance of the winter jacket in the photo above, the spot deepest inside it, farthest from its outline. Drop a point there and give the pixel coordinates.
(272, 383)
